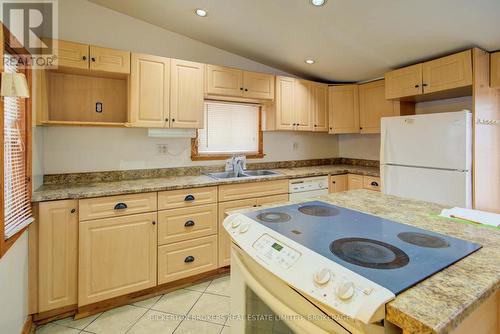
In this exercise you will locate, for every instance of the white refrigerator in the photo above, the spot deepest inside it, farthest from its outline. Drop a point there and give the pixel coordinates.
(428, 157)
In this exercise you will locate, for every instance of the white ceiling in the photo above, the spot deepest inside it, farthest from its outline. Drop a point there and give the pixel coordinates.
(351, 40)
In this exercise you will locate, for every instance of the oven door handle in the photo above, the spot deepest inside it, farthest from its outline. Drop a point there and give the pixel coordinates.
(293, 318)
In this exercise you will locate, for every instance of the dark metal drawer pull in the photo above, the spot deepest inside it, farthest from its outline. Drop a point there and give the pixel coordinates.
(121, 206)
(189, 198)
(374, 184)
(189, 223)
(189, 259)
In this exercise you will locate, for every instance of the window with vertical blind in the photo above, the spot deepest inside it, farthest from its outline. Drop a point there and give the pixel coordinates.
(16, 162)
(230, 128)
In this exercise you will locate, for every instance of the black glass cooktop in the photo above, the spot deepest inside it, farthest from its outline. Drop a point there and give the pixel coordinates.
(393, 255)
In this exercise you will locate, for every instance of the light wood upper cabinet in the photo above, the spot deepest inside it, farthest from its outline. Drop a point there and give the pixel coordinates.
(57, 254)
(343, 109)
(285, 115)
(72, 55)
(373, 106)
(495, 69)
(303, 105)
(109, 60)
(258, 85)
(149, 91)
(320, 107)
(186, 95)
(403, 82)
(448, 72)
(223, 81)
(117, 256)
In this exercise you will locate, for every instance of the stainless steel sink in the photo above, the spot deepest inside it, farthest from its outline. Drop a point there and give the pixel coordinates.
(247, 173)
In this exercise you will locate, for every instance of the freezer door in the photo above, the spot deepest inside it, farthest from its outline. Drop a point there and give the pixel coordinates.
(451, 188)
(435, 140)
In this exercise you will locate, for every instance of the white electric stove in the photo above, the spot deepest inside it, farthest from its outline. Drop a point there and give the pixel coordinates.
(320, 268)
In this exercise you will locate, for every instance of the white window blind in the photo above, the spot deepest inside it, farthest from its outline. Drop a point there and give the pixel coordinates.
(229, 128)
(17, 204)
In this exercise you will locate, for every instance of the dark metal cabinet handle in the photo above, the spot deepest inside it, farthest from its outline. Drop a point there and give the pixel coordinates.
(121, 206)
(333, 182)
(424, 85)
(246, 90)
(73, 210)
(189, 223)
(173, 119)
(189, 198)
(84, 57)
(241, 88)
(189, 259)
(374, 184)
(315, 125)
(93, 59)
(416, 86)
(166, 119)
(154, 223)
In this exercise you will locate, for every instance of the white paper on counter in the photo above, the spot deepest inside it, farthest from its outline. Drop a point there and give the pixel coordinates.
(477, 216)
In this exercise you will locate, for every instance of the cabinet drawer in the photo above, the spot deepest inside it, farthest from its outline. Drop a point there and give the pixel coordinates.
(233, 192)
(272, 199)
(116, 206)
(371, 182)
(186, 258)
(184, 198)
(186, 223)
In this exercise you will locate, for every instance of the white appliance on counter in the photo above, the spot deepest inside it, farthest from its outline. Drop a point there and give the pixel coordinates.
(428, 157)
(303, 188)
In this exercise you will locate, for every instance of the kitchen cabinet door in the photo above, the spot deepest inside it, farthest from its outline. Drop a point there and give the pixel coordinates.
(258, 85)
(495, 69)
(320, 107)
(343, 109)
(403, 82)
(57, 254)
(149, 91)
(373, 106)
(117, 256)
(109, 60)
(303, 105)
(72, 55)
(448, 72)
(354, 181)
(285, 116)
(186, 94)
(224, 239)
(223, 81)
(338, 183)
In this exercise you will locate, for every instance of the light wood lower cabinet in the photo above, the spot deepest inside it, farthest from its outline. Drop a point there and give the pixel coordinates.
(338, 183)
(371, 182)
(186, 258)
(185, 198)
(186, 223)
(57, 254)
(115, 206)
(117, 256)
(354, 181)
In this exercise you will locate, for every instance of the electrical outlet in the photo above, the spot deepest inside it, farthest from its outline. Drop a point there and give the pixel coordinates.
(295, 146)
(161, 149)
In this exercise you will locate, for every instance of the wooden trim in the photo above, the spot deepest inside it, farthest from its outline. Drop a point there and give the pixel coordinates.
(28, 325)
(196, 156)
(55, 314)
(6, 244)
(33, 263)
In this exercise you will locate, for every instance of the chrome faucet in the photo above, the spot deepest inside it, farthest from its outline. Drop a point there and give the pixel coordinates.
(236, 164)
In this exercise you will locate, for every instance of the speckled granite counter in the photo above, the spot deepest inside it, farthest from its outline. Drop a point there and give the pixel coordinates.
(441, 302)
(51, 192)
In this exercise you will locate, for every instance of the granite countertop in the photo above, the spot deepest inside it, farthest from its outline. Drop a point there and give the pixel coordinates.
(441, 302)
(50, 192)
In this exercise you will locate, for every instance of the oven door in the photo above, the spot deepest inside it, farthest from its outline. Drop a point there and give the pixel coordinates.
(262, 303)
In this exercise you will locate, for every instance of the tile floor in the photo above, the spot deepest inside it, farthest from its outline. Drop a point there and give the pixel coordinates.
(198, 309)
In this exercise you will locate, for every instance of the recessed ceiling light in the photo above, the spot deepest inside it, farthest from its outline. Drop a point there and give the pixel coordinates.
(201, 12)
(310, 61)
(318, 2)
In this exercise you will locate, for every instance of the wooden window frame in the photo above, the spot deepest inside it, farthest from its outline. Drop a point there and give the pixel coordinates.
(196, 156)
(5, 245)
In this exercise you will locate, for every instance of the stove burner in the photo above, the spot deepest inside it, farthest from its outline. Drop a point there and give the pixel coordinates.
(318, 210)
(273, 217)
(423, 240)
(369, 253)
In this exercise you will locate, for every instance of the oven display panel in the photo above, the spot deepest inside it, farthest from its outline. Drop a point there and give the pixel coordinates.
(276, 252)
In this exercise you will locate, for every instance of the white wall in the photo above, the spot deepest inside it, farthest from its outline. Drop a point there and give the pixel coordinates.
(75, 149)
(14, 287)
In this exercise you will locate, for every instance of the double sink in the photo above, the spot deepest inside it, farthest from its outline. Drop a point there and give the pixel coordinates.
(246, 173)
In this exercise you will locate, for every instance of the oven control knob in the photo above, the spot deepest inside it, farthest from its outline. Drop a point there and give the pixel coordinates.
(345, 290)
(244, 228)
(235, 223)
(322, 276)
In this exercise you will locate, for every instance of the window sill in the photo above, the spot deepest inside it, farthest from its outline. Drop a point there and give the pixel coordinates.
(224, 156)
